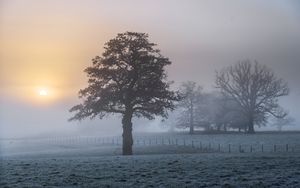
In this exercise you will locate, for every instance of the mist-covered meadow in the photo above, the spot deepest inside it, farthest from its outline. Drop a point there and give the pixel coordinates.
(196, 93)
(97, 161)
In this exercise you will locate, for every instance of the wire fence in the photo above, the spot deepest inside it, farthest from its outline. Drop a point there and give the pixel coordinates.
(197, 145)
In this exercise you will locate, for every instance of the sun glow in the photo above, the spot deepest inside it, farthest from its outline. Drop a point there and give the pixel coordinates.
(45, 95)
(43, 92)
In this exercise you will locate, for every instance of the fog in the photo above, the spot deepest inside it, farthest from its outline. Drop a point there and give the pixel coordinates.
(22, 120)
(199, 37)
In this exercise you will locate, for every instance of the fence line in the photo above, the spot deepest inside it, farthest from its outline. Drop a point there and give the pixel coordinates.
(195, 144)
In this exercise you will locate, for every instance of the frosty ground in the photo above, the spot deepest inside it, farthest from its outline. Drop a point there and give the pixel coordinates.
(175, 166)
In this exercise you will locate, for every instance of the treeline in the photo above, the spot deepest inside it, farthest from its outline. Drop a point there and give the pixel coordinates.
(247, 96)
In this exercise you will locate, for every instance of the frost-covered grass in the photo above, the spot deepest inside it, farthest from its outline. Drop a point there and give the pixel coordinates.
(90, 163)
(168, 170)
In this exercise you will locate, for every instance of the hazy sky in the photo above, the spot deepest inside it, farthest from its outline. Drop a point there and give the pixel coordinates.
(45, 45)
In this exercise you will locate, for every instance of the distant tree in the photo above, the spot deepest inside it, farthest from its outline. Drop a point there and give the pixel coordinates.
(231, 115)
(191, 96)
(129, 79)
(205, 111)
(220, 112)
(169, 123)
(284, 121)
(255, 89)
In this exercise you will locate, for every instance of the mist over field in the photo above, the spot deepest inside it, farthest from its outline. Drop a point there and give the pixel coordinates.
(196, 93)
(199, 37)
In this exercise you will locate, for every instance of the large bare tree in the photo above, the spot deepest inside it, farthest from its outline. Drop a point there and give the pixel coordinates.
(255, 88)
(129, 79)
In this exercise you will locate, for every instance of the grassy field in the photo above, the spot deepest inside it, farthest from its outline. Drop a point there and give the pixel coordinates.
(88, 163)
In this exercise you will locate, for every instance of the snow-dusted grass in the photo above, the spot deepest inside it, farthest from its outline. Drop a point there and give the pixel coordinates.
(168, 170)
(88, 163)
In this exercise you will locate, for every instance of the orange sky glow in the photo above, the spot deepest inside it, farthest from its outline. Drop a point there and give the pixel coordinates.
(42, 45)
(46, 45)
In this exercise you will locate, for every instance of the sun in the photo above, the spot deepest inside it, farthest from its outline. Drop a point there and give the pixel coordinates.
(43, 92)
(45, 95)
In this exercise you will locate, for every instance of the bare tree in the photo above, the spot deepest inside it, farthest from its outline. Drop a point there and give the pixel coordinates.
(255, 88)
(190, 93)
(129, 79)
(281, 122)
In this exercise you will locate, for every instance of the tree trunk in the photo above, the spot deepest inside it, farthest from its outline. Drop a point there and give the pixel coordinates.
(192, 120)
(251, 126)
(191, 129)
(127, 134)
